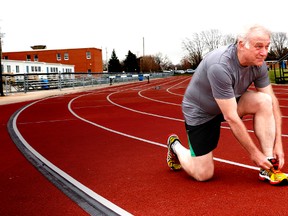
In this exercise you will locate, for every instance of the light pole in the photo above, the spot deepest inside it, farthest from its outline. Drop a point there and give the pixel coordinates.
(1, 82)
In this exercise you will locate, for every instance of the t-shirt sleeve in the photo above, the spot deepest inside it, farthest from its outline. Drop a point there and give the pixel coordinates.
(220, 81)
(263, 79)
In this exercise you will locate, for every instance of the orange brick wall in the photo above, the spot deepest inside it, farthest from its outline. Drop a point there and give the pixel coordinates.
(77, 57)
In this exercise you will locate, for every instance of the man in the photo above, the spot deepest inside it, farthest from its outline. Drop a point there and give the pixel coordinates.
(218, 91)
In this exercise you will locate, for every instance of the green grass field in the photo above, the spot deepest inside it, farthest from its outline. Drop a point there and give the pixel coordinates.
(272, 75)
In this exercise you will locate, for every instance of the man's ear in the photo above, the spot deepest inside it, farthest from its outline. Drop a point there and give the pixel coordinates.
(240, 44)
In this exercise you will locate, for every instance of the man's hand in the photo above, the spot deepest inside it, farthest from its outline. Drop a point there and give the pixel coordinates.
(261, 160)
(279, 154)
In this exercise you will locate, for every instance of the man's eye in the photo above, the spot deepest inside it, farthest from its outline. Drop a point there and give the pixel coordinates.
(258, 47)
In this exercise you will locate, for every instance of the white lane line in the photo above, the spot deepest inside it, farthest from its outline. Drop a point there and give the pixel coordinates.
(236, 164)
(181, 95)
(50, 121)
(69, 178)
(108, 129)
(144, 113)
(161, 116)
(168, 90)
(145, 140)
(156, 100)
(148, 141)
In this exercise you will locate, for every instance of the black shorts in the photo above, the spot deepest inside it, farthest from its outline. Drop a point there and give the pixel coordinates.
(204, 138)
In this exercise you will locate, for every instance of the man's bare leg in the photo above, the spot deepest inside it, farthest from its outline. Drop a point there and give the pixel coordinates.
(260, 105)
(200, 168)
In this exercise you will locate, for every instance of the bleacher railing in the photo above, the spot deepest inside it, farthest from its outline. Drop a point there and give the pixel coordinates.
(13, 83)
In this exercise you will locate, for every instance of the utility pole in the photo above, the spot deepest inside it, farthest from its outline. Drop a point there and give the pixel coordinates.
(107, 60)
(143, 47)
(1, 81)
(142, 58)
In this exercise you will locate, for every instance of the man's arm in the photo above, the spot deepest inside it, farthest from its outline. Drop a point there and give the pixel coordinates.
(229, 110)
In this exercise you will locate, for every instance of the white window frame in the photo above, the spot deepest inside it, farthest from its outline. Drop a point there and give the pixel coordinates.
(8, 68)
(17, 69)
(36, 58)
(58, 56)
(66, 56)
(88, 55)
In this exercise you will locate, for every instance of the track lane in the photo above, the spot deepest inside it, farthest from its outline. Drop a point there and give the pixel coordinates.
(136, 172)
(23, 190)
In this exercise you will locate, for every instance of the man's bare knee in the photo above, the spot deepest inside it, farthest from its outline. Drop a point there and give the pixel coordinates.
(253, 102)
(265, 101)
(201, 172)
(204, 175)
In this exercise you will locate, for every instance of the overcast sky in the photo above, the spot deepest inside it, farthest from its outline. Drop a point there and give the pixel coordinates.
(122, 24)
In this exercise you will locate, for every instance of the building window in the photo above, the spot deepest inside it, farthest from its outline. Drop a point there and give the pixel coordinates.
(58, 57)
(36, 58)
(17, 69)
(66, 56)
(28, 58)
(8, 68)
(54, 70)
(36, 68)
(88, 55)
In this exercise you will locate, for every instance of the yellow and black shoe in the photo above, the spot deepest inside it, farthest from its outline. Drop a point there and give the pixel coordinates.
(273, 175)
(172, 159)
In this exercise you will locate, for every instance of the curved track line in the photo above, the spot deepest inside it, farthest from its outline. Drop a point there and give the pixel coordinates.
(168, 90)
(137, 111)
(70, 179)
(159, 101)
(161, 116)
(77, 183)
(108, 129)
(148, 141)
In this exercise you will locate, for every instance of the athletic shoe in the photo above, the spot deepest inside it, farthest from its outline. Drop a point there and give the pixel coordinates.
(172, 159)
(273, 175)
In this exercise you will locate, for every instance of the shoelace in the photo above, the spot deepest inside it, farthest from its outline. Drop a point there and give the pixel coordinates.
(275, 171)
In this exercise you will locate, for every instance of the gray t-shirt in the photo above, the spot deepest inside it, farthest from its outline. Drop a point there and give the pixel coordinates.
(220, 76)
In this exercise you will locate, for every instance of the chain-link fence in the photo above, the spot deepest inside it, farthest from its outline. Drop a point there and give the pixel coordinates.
(13, 83)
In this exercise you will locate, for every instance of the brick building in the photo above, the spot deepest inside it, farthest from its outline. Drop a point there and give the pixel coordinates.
(84, 59)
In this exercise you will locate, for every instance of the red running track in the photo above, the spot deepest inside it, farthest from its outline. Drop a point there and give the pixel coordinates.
(24, 190)
(113, 141)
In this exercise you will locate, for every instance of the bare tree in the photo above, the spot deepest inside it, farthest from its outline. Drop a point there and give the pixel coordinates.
(163, 61)
(228, 39)
(211, 38)
(279, 43)
(194, 48)
(185, 63)
(149, 63)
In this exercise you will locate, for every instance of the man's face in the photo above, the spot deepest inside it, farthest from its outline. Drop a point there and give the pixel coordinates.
(257, 50)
